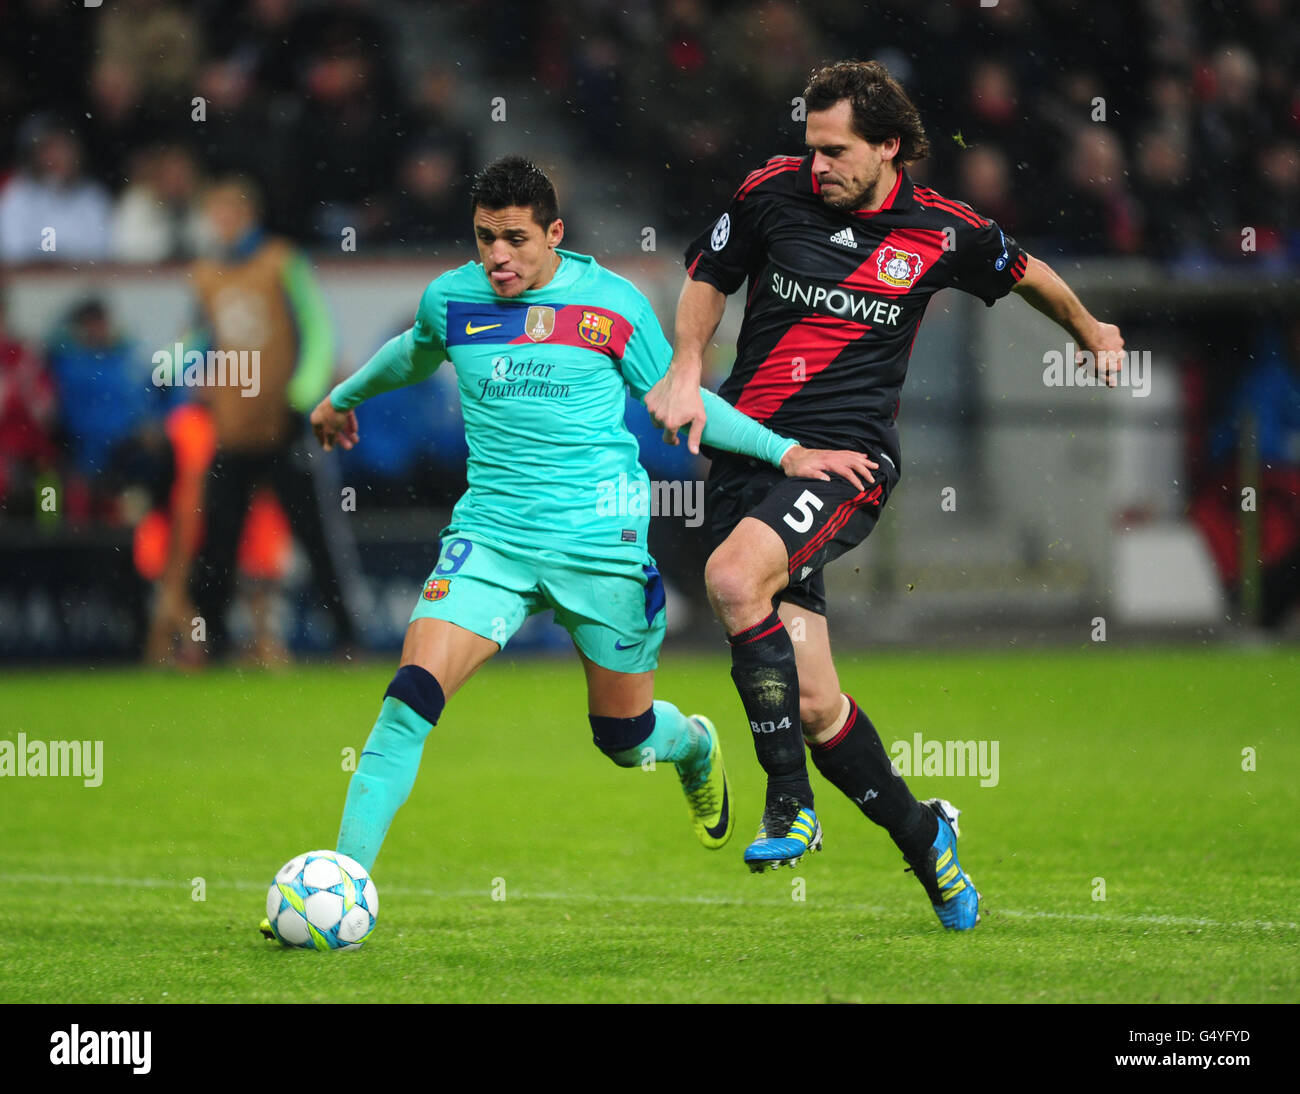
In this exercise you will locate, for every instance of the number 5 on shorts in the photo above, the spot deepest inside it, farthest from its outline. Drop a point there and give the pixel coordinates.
(806, 503)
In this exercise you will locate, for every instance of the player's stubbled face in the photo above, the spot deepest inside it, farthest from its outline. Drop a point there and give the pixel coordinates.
(846, 166)
(517, 253)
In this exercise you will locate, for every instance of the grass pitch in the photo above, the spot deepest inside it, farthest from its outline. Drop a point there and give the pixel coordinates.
(1118, 768)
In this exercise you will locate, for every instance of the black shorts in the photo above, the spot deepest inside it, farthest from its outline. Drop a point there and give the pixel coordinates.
(817, 520)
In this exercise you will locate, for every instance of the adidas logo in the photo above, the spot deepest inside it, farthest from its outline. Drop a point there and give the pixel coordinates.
(845, 238)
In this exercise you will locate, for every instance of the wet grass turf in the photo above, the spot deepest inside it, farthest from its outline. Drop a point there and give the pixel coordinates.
(1123, 766)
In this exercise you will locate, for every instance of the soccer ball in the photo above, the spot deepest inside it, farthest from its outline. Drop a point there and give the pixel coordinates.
(322, 901)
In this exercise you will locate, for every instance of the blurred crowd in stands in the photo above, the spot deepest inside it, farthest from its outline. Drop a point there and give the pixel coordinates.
(1126, 127)
(1151, 127)
(110, 144)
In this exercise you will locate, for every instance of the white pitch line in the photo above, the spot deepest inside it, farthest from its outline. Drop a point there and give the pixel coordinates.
(1155, 920)
(649, 898)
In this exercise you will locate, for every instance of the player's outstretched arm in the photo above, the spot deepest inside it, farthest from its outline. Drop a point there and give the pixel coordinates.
(1044, 288)
(674, 402)
(400, 361)
(730, 429)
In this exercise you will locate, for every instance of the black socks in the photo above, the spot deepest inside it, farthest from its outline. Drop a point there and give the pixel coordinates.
(855, 761)
(763, 667)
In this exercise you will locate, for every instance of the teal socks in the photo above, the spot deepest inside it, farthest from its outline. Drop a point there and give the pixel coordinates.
(674, 739)
(382, 781)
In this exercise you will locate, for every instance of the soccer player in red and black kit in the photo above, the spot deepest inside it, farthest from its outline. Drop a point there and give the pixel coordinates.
(841, 252)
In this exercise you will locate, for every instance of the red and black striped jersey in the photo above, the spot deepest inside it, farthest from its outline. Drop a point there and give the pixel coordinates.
(835, 298)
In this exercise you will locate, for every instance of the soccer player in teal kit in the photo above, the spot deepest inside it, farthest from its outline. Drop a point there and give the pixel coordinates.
(544, 343)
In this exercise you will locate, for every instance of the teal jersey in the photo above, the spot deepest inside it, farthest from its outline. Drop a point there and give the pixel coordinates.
(543, 379)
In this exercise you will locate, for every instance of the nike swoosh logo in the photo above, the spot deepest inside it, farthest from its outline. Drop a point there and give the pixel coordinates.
(719, 829)
(618, 644)
(471, 329)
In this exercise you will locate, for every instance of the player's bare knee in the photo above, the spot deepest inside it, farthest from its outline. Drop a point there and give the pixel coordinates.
(724, 582)
(735, 591)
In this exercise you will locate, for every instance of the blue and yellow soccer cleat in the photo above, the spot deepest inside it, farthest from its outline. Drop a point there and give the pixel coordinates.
(267, 931)
(708, 794)
(787, 831)
(950, 889)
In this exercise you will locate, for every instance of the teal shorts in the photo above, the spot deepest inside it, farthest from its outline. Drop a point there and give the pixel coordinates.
(612, 609)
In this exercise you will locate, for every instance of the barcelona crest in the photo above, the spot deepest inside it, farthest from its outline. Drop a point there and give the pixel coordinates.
(436, 588)
(595, 329)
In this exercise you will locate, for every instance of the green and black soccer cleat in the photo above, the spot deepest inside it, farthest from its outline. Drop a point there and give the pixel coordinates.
(708, 794)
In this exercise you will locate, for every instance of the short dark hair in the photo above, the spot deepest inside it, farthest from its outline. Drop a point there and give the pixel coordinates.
(513, 180)
(881, 108)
